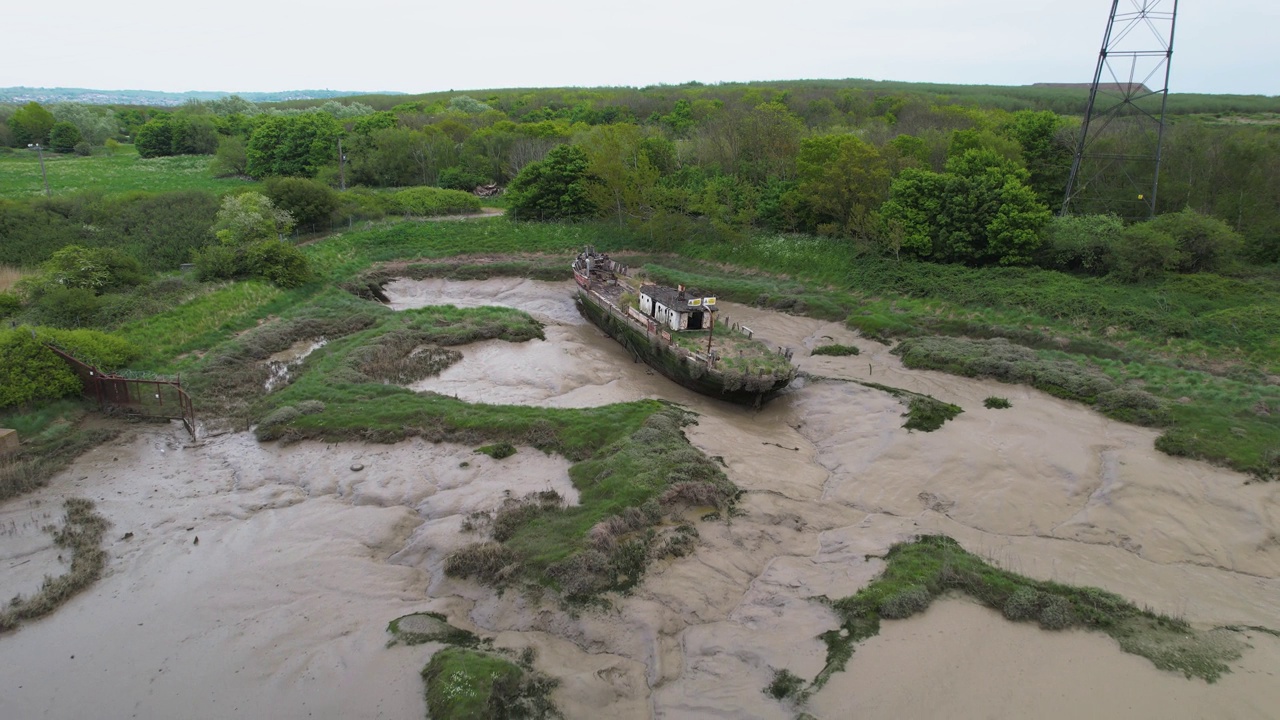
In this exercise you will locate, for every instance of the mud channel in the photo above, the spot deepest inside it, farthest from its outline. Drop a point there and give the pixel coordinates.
(280, 608)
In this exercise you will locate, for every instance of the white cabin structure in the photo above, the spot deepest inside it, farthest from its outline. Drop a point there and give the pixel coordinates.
(671, 308)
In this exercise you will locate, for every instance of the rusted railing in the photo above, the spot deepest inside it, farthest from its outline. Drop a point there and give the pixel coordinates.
(146, 396)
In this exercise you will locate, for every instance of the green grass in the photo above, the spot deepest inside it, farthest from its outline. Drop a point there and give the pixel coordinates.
(919, 571)
(835, 350)
(111, 174)
(465, 684)
(997, 403)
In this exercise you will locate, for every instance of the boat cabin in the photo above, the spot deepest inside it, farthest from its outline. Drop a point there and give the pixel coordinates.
(677, 308)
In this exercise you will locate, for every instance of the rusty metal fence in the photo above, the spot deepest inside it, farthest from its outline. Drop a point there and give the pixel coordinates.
(152, 397)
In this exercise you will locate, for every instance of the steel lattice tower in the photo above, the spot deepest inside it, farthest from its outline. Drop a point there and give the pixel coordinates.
(1116, 168)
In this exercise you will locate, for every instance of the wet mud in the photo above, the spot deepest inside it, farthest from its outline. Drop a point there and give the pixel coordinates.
(280, 609)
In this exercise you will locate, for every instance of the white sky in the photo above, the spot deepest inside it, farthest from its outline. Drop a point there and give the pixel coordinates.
(1223, 46)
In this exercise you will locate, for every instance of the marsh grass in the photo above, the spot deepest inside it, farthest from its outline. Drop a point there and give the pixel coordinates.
(835, 350)
(996, 403)
(626, 487)
(9, 276)
(919, 571)
(467, 684)
(924, 412)
(81, 533)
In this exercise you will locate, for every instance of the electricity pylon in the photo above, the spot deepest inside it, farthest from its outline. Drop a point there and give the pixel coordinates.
(1116, 167)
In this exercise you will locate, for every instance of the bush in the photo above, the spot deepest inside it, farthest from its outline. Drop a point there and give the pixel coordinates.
(9, 304)
(1080, 243)
(1057, 614)
(1023, 604)
(1143, 252)
(107, 352)
(83, 149)
(279, 263)
(1204, 243)
(906, 602)
(1134, 406)
(310, 203)
(460, 178)
(30, 371)
(429, 201)
(67, 307)
(997, 403)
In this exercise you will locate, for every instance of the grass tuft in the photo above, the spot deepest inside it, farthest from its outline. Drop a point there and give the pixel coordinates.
(997, 403)
(835, 350)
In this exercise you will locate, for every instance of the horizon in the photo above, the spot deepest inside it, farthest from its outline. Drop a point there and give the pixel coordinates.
(572, 45)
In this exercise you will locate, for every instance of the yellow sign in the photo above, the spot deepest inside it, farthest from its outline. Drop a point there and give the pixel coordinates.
(709, 301)
(695, 302)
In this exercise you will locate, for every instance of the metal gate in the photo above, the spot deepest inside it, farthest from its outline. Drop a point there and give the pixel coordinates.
(152, 397)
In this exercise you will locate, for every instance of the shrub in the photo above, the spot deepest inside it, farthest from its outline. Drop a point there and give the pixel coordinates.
(106, 351)
(310, 203)
(1057, 614)
(1080, 243)
(906, 602)
(1143, 252)
(30, 371)
(1023, 604)
(429, 201)
(67, 307)
(1205, 243)
(278, 262)
(489, 562)
(83, 149)
(1134, 406)
(997, 403)
(9, 304)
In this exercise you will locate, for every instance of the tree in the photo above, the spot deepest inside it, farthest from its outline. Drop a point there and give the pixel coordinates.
(249, 231)
(622, 175)
(95, 124)
(842, 179)
(296, 145)
(193, 135)
(63, 137)
(980, 211)
(155, 138)
(554, 188)
(1046, 151)
(29, 124)
(230, 159)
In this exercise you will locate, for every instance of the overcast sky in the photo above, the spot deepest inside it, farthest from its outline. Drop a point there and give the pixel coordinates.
(1222, 46)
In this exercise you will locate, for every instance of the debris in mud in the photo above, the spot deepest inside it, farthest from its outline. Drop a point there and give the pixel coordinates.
(356, 467)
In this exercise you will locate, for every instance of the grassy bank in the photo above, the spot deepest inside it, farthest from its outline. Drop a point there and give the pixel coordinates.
(918, 572)
(52, 435)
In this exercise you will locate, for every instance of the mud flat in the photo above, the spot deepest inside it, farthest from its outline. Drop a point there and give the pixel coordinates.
(280, 609)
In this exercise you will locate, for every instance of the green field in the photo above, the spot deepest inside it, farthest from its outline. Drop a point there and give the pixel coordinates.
(121, 172)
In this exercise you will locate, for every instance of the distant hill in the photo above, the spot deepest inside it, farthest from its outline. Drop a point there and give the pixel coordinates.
(155, 98)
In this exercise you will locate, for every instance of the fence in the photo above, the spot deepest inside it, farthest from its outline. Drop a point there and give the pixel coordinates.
(145, 396)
